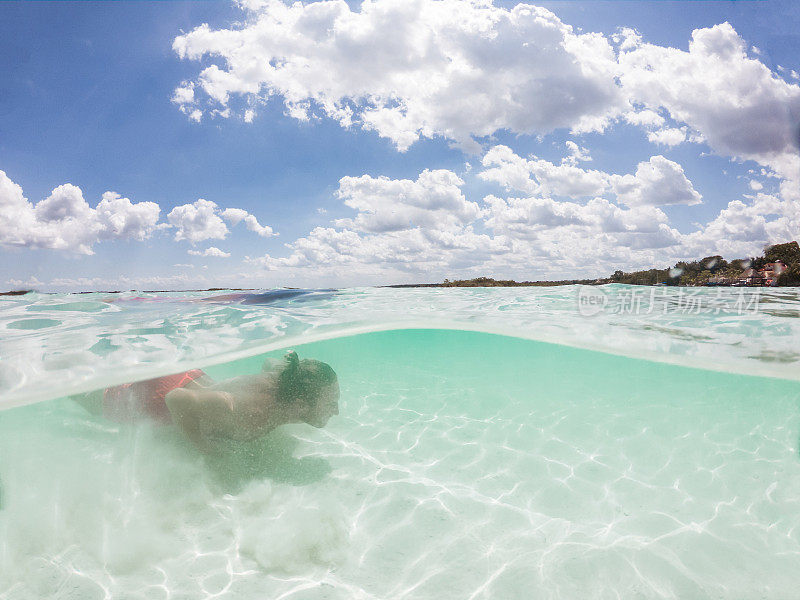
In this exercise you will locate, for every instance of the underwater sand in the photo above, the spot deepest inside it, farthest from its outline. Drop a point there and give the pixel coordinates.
(462, 465)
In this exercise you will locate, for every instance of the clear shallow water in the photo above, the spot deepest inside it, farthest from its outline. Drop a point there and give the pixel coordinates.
(462, 464)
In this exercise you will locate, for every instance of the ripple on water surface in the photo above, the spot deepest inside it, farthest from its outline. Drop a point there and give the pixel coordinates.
(143, 335)
(462, 465)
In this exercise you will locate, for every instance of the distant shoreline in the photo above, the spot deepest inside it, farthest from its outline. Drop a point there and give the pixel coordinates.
(489, 282)
(214, 289)
(779, 266)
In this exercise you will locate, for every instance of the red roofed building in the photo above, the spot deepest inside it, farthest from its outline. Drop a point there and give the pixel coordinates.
(771, 271)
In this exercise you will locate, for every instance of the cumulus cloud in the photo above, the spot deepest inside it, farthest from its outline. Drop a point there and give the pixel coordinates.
(31, 282)
(744, 227)
(645, 118)
(183, 95)
(203, 220)
(400, 225)
(65, 221)
(407, 251)
(409, 69)
(212, 251)
(741, 108)
(236, 215)
(657, 182)
(523, 236)
(428, 228)
(535, 219)
(540, 177)
(576, 154)
(433, 201)
(465, 69)
(427, 225)
(668, 137)
(197, 222)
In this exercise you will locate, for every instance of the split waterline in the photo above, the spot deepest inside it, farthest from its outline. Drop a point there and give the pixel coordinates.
(462, 464)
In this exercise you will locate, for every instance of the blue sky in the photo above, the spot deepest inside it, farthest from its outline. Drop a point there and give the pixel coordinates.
(88, 99)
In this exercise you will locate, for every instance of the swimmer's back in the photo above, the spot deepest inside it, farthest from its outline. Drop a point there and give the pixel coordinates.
(132, 401)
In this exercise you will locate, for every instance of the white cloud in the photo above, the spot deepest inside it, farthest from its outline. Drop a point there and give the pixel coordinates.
(645, 118)
(668, 137)
(212, 251)
(755, 185)
(739, 106)
(426, 229)
(64, 202)
(410, 250)
(743, 228)
(434, 201)
(521, 237)
(465, 69)
(535, 219)
(540, 177)
(30, 283)
(576, 154)
(119, 218)
(400, 226)
(183, 94)
(236, 215)
(65, 221)
(197, 222)
(397, 233)
(627, 38)
(657, 182)
(168, 282)
(204, 220)
(410, 68)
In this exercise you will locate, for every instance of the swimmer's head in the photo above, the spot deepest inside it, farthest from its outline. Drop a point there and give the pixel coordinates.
(313, 384)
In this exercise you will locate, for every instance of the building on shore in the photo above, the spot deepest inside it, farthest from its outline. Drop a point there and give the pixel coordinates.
(766, 275)
(771, 271)
(720, 280)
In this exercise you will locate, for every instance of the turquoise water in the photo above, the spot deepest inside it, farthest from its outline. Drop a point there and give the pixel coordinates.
(463, 464)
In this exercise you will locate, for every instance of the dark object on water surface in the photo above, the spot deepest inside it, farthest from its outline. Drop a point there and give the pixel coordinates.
(271, 296)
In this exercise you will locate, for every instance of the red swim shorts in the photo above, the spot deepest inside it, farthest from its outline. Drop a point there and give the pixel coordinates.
(132, 401)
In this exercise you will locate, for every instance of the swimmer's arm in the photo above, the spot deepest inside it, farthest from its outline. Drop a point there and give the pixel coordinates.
(195, 411)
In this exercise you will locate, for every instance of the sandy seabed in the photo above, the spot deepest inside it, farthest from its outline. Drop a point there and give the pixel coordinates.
(462, 465)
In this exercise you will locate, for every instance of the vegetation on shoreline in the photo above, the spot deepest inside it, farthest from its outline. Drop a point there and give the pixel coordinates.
(700, 272)
(694, 273)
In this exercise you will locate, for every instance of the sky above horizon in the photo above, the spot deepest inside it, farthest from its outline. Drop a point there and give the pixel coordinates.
(175, 145)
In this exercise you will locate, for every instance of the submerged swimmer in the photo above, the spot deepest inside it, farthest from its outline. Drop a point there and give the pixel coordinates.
(243, 408)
